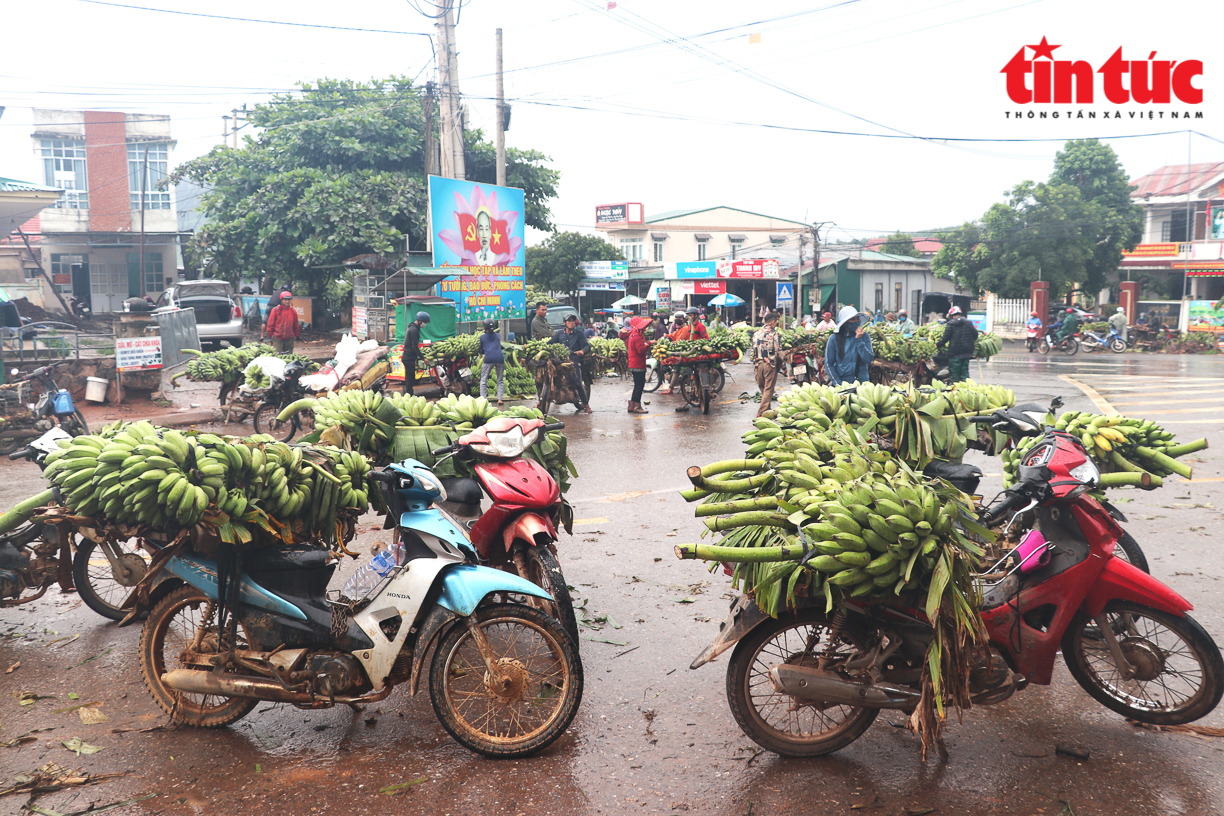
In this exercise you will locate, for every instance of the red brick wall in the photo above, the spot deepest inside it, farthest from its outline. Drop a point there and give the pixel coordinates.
(107, 169)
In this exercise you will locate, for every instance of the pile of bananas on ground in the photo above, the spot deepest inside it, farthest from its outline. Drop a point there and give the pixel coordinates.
(918, 424)
(608, 348)
(466, 412)
(519, 382)
(144, 476)
(459, 347)
(1123, 449)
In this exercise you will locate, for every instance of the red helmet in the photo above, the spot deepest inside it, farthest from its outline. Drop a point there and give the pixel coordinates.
(1069, 311)
(955, 310)
(826, 316)
(1034, 314)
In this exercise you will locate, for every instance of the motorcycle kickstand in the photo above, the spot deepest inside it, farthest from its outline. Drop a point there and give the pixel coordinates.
(1115, 650)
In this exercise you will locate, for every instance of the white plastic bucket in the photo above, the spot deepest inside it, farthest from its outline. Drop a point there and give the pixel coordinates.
(95, 389)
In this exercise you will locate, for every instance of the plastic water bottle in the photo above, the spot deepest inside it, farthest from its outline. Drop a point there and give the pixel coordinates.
(369, 576)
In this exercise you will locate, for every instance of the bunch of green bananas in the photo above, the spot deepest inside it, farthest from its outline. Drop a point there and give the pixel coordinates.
(519, 381)
(224, 365)
(608, 348)
(869, 400)
(541, 350)
(368, 417)
(416, 410)
(986, 346)
(459, 347)
(164, 479)
(256, 377)
(466, 411)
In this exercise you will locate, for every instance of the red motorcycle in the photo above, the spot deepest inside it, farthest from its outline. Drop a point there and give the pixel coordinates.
(808, 684)
(518, 533)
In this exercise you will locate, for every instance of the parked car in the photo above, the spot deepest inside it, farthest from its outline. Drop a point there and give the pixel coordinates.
(556, 316)
(217, 313)
(1084, 316)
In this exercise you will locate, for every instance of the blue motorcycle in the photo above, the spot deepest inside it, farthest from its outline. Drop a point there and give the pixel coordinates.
(1091, 341)
(505, 679)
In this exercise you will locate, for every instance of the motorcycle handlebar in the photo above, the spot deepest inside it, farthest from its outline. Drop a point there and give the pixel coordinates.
(21, 454)
(447, 449)
(554, 426)
(1011, 500)
(387, 476)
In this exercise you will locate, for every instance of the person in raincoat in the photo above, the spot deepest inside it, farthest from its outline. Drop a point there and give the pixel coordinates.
(1118, 322)
(848, 354)
(904, 324)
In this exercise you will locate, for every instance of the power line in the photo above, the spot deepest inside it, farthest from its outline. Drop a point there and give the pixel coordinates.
(251, 20)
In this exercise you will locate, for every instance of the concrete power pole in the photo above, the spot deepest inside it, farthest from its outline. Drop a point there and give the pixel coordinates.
(448, 100)
(500, 130)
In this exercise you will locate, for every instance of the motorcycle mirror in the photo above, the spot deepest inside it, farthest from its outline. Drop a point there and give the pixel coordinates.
(1056, 403)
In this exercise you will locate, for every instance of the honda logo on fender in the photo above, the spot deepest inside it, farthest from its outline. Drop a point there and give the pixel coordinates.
(1041, 79)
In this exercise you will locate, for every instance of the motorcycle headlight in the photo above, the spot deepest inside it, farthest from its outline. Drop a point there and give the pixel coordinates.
(1086, 473)
(507, 444)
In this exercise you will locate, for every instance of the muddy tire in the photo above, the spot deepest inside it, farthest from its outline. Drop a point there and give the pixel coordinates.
(544, 571)
(104, 586)
(531, 702)
(1180, 672)
(778, 722)
(166, 639)
(1128, 550)
(265, 422)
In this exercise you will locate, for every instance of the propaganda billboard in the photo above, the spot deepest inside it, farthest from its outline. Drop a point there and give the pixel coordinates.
(479, 228)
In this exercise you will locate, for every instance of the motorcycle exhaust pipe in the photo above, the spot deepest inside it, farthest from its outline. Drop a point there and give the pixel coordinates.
(193, 681)
(826, 687)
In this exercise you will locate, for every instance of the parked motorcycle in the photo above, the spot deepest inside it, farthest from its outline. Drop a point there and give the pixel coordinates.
(35, 556)
(505, 679)
(809, 683)
(518, 533)
(453, 376)
(80, 308)
(53, 408)
(279, 395)
(801, 370)
(1091, 341)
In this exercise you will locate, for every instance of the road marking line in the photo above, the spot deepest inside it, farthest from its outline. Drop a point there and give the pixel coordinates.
(1213, 409)
(1100, 402)
(1166, 402)
(616, 497)
(1209, 479)
(590, 521)
(1195, 389)
(1192, 422)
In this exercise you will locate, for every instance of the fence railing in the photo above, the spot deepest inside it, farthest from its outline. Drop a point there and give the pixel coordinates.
(1012, 311)
(49, 340)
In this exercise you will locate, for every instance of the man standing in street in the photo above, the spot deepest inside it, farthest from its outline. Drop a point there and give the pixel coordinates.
(412, 343)
(766, 357)
(959, 336)
(283, 325)
(572, 338)
(1118, 322)
(540, 330)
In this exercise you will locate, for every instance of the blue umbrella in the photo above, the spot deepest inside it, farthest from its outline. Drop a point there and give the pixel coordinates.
(727, 299)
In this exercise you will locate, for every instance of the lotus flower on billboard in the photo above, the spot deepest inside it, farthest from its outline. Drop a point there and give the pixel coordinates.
(483, 237)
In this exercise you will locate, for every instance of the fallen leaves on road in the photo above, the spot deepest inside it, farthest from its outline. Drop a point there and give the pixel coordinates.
(27, 698)
(33, 808)
(605, 640)
(52, 777)
(90, 715)
(13, 667)
(400, 787)
(78, 746)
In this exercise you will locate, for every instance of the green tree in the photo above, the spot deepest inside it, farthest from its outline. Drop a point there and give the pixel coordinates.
(333, 172)
(900, 243)
(553, 265)
(1093, 168)
(962, 257)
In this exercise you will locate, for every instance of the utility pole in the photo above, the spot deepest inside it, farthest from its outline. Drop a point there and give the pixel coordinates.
(501, 117)
(144, 175)
(427, 104)
(448, 102)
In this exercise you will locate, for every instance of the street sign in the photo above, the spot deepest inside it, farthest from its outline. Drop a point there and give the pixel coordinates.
(786, 293)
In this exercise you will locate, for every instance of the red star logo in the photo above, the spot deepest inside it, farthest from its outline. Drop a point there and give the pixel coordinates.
(1043, 49)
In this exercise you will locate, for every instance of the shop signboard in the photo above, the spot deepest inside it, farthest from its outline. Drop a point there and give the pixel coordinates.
(745, 268)
(479, 228)
(681, 288)
(615, 270)
(1204, 316)
(600, 286)
(138, 353)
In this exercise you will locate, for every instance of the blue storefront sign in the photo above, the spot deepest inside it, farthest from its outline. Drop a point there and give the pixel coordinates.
(694, 270)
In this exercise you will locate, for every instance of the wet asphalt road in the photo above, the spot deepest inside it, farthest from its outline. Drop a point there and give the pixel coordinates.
(652, 737)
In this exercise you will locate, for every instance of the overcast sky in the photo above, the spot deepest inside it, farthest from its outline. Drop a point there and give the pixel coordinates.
(666, 102)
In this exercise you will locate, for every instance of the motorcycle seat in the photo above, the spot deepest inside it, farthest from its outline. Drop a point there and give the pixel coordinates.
(283, 559)
(962, 476)
(463, 490)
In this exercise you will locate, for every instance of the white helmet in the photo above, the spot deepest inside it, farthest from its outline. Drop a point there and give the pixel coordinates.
(1120, 309)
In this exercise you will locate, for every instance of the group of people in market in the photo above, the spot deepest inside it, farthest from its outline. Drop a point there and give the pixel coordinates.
(897, 321)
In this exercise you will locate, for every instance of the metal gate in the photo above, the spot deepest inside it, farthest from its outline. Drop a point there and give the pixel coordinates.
(178, 331)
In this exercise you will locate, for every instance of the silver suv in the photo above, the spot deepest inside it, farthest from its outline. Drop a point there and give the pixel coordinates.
(217, 314)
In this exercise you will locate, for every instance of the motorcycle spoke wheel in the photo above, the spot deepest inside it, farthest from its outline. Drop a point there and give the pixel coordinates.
(544, 571)
(1179, 674)
(169, 641)
(719, 379)
(530, 697)
(104, 586)
(690, 389)
(654, 379)
(779, 722)
(1128, 550)
(265, 422)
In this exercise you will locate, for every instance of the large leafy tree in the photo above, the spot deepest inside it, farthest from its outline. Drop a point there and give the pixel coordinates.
(553, 265)
(1069, 230)
(334, 172)
(900, 243)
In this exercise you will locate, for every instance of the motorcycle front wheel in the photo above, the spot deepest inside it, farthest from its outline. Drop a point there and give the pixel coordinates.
(530, 698)
(1179, 674)
(181, 633)
(1117, 345)
(543, 570)
(654, 379)
(265, 422)
(1043, 346)
(103, 586)
(779, 722)
(1071, 346)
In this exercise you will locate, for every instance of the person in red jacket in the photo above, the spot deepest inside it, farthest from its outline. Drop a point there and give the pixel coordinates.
(635, 342)
(283, 325)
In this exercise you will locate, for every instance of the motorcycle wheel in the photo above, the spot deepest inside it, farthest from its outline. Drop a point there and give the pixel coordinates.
(167, 639)
(265, 422)
(778, 722)
(654, 379)
(1180, 674)
(1128, 550)
(74, 424)
(1090, 346)
(1043, 346)
(543, 570)
(1117, 346)
(533, 698)
(1071, 346)
(718, 378)
(690, 389)
(8, 444)
(545, 394)
(104, 586)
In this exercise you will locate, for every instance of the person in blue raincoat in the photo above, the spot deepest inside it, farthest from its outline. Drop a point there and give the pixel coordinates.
(848, 352)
